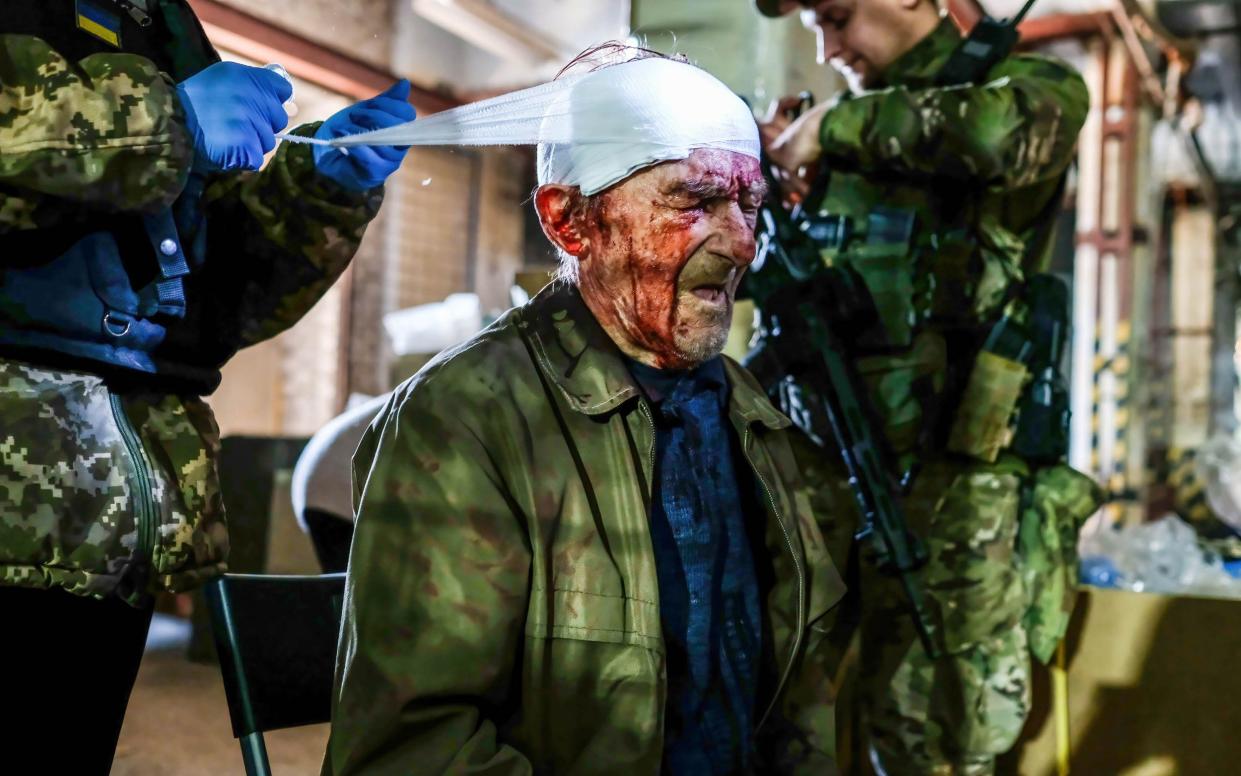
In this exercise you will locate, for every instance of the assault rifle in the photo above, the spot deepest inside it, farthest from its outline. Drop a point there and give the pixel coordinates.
(804, 303)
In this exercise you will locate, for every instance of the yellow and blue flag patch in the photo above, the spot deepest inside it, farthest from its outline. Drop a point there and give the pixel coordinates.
(99, 22)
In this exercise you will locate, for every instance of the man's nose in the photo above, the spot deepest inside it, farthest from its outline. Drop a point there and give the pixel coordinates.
(737, 234)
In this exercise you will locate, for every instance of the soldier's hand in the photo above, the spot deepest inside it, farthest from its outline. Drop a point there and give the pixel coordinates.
(365, 167)
(796, 150)
(780, 114)
(234, 112)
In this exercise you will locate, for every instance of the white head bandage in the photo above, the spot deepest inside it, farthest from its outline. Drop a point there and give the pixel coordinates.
(594, 129)
(620, 119)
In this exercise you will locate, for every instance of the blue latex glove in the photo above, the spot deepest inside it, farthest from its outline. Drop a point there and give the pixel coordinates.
(234, 112)
(365, 167)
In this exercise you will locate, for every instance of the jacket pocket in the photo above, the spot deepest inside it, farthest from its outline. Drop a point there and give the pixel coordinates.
(66, 508)
(184, 441)
(60, 295)
(562, 613)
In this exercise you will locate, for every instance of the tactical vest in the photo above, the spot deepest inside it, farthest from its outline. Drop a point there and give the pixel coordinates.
(936, 314)
(107, 292)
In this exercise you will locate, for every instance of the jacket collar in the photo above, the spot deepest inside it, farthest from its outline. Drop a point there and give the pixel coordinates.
(747, 402)
(918, 67)
(579, 358)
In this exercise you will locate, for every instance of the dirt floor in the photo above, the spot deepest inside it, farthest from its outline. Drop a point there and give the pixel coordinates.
(177, 724)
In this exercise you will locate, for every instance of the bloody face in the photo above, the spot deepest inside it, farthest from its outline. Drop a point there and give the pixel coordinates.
(860, 38)
(664, 251)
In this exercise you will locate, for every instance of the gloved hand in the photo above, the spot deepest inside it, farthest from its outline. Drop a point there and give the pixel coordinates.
(234, 112)
(365, 167)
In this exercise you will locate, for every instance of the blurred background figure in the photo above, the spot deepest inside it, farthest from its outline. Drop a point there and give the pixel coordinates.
(322, 488)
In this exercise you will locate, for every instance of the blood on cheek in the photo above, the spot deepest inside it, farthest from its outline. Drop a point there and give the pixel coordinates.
(659, 255)
(646, 247)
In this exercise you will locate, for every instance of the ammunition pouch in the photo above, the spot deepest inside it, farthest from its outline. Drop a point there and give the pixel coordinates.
(982, 427)
(1059, 502)
(999, 393)
(898, 385)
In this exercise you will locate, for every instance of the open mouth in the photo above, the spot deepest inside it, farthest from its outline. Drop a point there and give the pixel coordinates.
(712, 293)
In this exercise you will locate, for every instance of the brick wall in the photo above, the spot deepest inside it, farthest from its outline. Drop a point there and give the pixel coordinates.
(366, 342)
(452, 221)
(433, 248)
(507, 179)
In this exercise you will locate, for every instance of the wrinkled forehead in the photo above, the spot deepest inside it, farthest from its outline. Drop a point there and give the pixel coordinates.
(706, 172)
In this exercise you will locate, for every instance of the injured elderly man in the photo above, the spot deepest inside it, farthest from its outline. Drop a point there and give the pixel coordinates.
(582, 544)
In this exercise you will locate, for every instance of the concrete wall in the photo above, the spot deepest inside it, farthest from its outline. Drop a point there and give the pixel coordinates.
(425, 51)
(760, 58)
(360, 28)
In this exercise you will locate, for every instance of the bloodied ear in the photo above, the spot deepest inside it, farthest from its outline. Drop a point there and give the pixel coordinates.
(559, 209)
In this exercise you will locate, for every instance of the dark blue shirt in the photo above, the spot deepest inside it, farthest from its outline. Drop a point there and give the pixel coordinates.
(708, 590)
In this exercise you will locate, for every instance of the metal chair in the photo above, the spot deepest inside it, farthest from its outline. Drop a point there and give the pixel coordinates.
(276, 638)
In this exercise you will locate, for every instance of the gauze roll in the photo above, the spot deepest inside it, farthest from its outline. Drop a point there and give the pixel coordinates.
(594, 129)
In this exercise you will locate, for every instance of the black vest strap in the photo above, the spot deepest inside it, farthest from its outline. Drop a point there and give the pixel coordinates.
(161, 229)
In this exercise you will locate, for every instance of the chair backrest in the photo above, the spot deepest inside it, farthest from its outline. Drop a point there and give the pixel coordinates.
(276, 638)
(248, 469)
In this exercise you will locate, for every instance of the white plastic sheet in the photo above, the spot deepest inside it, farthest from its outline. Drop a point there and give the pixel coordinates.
(430, 328)
(1163, 556)
(1219, 466)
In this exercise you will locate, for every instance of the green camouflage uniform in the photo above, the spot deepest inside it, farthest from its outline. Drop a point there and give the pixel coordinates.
(92, 478)
(502, 609)
(980, 169)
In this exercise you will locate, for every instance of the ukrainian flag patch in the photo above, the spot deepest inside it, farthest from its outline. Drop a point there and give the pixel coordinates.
(99, 22)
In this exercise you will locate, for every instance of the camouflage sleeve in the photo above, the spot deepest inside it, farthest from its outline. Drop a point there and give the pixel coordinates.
(107, 132)
(277, 240)
(1017, 129)
(435, 604)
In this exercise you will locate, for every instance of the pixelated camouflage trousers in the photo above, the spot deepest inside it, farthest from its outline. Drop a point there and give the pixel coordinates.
(70, 488)
(999, 581)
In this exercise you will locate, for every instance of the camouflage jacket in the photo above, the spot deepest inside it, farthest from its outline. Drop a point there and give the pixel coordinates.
(502, 609)
(977, 171)
(108, 479)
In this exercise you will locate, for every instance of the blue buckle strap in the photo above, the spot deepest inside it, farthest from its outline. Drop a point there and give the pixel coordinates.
(161, 230)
